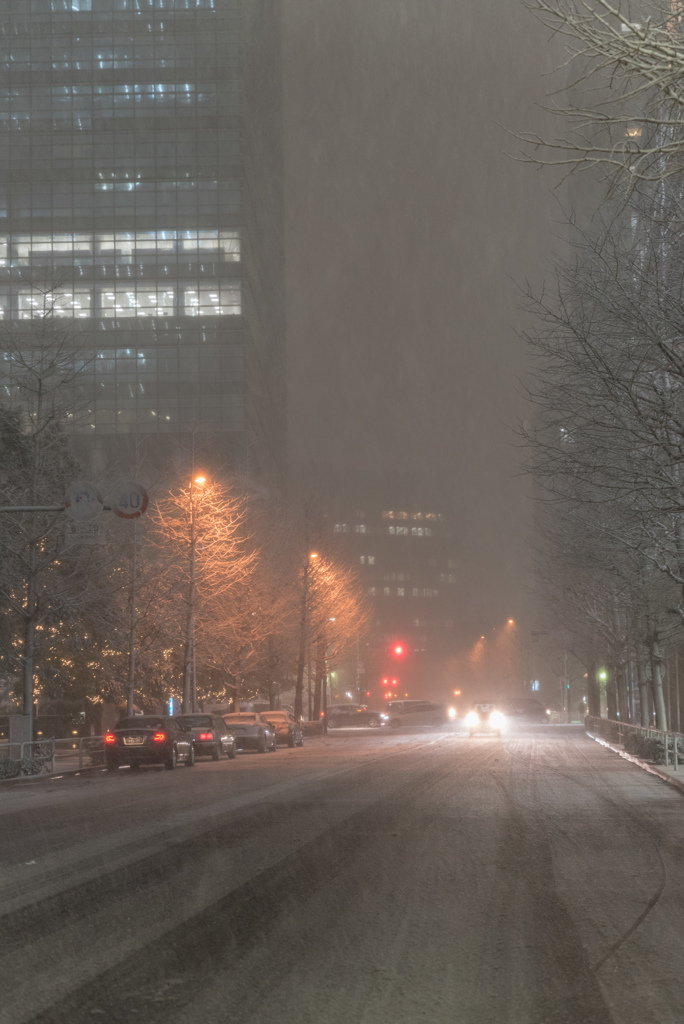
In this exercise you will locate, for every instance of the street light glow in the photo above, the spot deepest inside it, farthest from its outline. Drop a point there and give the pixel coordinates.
(200, 480)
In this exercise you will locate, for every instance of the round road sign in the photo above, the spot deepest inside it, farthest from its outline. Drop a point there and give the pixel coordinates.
(83, 501)
(129, 499)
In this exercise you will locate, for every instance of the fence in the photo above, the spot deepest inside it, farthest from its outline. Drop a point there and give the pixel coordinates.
(50, 755)
(658, 745)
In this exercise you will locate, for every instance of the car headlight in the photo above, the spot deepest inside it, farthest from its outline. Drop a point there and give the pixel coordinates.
(472, 718)
(496, 718)
(383, 715)
(452, 712)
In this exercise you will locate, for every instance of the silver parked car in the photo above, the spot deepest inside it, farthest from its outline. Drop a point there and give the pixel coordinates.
(211, 735)
(251, 731)
(288, 729)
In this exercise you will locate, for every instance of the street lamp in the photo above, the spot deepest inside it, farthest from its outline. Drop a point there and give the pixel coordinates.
(190, 666)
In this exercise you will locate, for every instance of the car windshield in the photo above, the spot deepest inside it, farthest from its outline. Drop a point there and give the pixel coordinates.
(195, 720)
(140, 722)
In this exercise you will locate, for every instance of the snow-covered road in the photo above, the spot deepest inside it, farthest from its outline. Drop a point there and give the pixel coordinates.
(366, 879)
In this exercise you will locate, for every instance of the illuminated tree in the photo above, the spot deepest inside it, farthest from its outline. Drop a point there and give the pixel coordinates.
(334, 614)
(201, 537)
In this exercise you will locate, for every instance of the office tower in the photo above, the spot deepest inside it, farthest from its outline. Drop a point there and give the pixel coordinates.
(141, 176)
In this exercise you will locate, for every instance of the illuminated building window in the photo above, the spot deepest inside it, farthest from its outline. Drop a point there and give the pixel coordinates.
(21, 250)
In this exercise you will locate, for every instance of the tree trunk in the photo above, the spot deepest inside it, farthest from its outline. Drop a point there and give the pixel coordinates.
(657, 662)
(593, 691)
(622, 695)
(644, 710)
(611, 695)
(301, 657)
(318, 685)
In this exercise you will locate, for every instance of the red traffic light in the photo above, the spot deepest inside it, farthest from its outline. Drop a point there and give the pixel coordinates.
(398, 650)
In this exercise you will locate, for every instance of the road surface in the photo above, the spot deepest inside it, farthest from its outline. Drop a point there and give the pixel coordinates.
(369, 878)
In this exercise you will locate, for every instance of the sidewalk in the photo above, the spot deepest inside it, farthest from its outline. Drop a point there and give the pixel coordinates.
(667, 774)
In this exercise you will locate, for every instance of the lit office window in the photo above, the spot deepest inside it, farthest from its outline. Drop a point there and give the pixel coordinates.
(21, 249)
(213, 300)
(60, 302)
(120, 302)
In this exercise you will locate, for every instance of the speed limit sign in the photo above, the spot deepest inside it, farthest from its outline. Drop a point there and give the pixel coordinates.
(129, 499)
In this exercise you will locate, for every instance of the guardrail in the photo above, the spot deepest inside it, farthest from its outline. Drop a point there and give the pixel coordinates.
(619, 732)
(50, 755)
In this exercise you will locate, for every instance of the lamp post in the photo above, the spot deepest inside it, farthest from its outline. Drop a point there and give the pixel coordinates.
(189, 667)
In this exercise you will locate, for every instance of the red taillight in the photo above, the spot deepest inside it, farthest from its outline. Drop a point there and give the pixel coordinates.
(110, 738)
(159, 737)
(206, 735)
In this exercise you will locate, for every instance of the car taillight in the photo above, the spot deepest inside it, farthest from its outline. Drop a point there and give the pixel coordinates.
(110, 738)
(159, 737)
(206, 735)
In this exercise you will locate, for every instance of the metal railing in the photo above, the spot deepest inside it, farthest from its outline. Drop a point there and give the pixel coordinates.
(51, 755)
(616, 732)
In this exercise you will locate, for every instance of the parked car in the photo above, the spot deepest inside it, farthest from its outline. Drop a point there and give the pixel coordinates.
(251, 731)
(417, 712)
(484, 717)
(288, 729)
(346, 715)
(211, 735)
(524, 709)
(149, 739)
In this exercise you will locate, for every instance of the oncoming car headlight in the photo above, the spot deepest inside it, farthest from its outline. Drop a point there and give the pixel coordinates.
(472, 718)
(496, 718)
(452, 712)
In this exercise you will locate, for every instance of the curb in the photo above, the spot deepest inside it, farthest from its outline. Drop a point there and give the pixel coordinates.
(651, 768)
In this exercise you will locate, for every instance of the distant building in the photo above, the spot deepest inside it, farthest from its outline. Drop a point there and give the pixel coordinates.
(140, 195)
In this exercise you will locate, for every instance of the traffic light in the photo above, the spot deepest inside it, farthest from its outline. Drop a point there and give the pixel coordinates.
(398, 650)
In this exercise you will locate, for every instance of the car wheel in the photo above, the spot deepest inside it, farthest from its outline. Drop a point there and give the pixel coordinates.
(232, 753)
(332, 724)
(261, 749)
(216, 753)
(394, 724)
(190, 763)
(172, 759)
(291, 742)
(374, 723)
(274, 746)
(301, 741)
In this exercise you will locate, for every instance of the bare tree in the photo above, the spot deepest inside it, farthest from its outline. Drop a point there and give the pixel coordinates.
(44, 584)
(623, 100)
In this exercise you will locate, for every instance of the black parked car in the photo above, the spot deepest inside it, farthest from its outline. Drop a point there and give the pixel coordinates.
(346, 715)
(149, 739)
(211, 735)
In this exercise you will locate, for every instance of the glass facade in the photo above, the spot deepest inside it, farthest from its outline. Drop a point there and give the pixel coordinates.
(136, 135)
